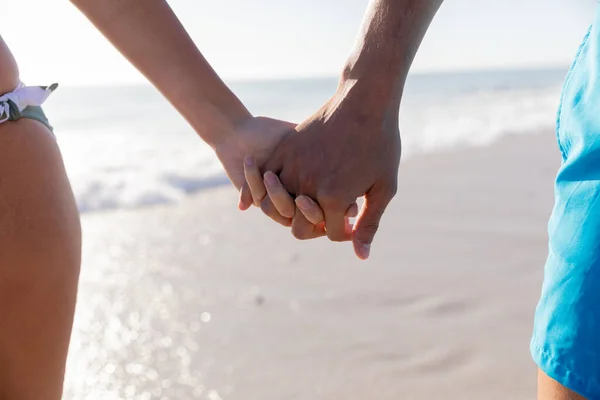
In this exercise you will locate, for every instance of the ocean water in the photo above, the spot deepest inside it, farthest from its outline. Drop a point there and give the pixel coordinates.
(125, 147)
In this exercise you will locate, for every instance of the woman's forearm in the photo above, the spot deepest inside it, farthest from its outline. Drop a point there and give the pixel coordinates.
(150, 36)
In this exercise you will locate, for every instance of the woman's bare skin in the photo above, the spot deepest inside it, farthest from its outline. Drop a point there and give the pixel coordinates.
(40, 238)
(9, 71)
(40, 245)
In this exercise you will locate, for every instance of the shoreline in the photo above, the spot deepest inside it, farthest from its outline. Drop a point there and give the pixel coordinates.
(198, 300)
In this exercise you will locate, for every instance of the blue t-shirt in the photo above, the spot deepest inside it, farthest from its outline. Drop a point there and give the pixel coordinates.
(566, 337)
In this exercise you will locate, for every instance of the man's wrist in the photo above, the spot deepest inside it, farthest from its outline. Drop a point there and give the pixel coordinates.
(370, 95)
(375, 76)
(391, 33)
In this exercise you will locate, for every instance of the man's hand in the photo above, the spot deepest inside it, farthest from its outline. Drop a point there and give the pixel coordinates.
(351, 146)
(348, 149)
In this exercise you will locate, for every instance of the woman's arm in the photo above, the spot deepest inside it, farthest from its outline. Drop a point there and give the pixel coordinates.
(150, 36)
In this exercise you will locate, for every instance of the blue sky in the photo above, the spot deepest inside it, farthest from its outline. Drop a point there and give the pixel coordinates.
(293, 38)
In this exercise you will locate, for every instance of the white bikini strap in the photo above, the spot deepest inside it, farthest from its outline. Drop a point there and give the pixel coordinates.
(24, 96)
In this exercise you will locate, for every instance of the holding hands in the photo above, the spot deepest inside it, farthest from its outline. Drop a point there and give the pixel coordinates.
(348, 149)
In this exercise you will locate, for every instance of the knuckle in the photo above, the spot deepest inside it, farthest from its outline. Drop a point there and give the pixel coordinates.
(287, 183)
(257, 197)
(314, 217)
(390, 190)
(308, 179)
(329, 198)
(300, 233)
(266, 206)
(288, 212)
(336, 237)
(269, 209)
(285, 205)
(370, 228)
(257, 201)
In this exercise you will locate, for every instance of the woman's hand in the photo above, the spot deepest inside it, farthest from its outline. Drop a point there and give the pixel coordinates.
(258, 136)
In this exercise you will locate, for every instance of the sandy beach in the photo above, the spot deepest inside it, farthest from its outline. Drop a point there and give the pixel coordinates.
(200, 301)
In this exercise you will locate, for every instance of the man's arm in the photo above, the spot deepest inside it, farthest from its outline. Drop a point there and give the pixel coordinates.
(150, 36)
(390, 35)
(351, 147)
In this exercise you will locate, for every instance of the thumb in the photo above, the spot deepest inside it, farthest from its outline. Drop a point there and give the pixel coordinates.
(245, 201)
(367, 223)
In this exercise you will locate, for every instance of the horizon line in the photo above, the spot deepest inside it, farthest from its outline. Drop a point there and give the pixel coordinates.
(266, 79)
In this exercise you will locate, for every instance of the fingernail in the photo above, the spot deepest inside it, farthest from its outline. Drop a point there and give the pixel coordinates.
(364, 250)
(249, 161)
(270, 178)
(303, 203)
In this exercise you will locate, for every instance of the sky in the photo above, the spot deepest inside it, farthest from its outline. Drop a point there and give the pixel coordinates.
(272, 39)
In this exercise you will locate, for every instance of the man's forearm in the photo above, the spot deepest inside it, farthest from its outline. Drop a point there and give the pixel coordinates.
(150, 36)
(390, 36)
